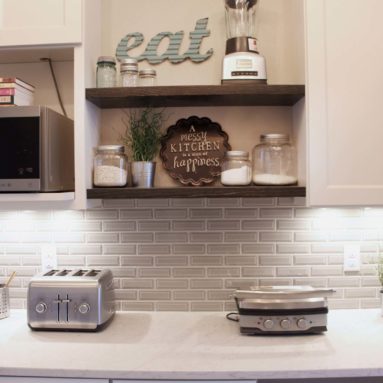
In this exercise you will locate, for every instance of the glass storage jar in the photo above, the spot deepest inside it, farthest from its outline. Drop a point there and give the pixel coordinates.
(147, 77)
(129, 72)
(274, 161)
(106, 72)
(236, 168)
(110, 166)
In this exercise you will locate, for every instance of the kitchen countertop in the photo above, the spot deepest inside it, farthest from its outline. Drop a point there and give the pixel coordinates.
(171, 345)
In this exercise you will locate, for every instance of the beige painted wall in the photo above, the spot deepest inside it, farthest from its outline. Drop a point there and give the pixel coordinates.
(280, 34)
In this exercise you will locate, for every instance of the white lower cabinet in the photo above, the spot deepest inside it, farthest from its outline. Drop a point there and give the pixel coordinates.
(50, 380)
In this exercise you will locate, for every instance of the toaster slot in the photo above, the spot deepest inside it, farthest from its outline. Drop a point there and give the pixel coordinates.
(93, 273)
(63, 273)
(80, 273)
(50, 273)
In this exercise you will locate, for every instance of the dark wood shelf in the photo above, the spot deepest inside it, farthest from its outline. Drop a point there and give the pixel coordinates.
(247, 94)
(198, 192)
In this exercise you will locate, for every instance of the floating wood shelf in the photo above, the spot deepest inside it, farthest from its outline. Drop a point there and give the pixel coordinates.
(198, 192)
(196, 95)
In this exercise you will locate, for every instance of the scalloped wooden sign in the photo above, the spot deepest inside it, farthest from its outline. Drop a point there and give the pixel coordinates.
(193, 149)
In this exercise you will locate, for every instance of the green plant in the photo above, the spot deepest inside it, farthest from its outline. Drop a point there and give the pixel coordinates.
(142, 135)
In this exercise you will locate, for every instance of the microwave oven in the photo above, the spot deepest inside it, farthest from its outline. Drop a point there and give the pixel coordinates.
(36, 150)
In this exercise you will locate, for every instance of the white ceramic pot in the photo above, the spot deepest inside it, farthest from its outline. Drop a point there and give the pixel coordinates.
(143, 174)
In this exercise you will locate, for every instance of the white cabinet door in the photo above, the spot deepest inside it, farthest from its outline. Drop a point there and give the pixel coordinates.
(38, 22)
(50, 380)
(344, 102)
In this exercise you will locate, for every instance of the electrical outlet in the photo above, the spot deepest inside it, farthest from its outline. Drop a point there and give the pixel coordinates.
(351, 257)
(48, 257)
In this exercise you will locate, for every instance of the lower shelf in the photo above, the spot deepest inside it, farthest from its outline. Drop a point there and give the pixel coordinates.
(198, 192)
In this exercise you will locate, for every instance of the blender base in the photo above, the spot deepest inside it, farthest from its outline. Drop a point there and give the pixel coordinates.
(244, 66)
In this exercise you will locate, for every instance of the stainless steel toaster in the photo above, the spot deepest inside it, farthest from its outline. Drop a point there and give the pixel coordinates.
(71, 300)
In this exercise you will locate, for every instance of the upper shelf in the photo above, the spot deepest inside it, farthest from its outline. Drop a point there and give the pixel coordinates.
(197, 95)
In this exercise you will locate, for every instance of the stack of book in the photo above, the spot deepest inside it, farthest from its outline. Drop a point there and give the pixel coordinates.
(14, 91)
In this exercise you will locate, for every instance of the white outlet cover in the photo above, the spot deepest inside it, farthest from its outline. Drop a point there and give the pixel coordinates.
(351, 257)
(48, 257)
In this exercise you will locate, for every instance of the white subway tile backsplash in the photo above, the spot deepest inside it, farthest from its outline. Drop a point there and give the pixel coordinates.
(154, 295)
(137, 261)
(259, 224)
(276, 236)
(132, 214)
(120, 226)
(240, 237)
(223, 202)
(276, 213)
(240, 213)
(170, 237)
(171, 260)
(172, 284)
(206, 213)
(191, 254)
(206, 237)
(275, 260)
(189, 249)
(223, 249)
(223, 225)
(170, 213)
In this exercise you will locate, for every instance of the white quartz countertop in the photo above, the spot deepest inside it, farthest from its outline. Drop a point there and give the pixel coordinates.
(158, 345)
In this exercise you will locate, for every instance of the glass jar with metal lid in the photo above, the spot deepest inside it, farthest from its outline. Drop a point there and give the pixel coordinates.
(147, 77)
(274, 161)
(236, 168)
(106, 72)
(110, 166)
(129, 72)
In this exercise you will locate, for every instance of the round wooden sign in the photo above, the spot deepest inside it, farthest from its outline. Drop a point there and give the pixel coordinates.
(193, 149)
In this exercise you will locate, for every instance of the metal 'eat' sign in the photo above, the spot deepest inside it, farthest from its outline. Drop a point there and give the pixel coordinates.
(135, 39)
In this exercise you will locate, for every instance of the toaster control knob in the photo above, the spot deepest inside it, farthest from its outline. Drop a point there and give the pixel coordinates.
(286, 324)
(84, 308)
(303, 323)
(268, 324)
(41, 308)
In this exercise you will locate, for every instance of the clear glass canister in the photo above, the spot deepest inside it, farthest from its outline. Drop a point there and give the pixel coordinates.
(110, 166)
(106, 72)
(129, 72)
(274, 161)
(147, 77)
(236, 168)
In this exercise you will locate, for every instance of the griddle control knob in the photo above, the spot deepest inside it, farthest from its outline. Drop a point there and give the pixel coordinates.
(41, 307)
(303, 323)
(84, 308)
(268, 324)
(285, 324)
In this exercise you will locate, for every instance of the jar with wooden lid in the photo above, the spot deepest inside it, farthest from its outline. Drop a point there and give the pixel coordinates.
(110, 166)
(274, 161)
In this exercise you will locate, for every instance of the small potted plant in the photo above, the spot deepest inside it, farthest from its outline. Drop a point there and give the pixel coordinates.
(142, 137)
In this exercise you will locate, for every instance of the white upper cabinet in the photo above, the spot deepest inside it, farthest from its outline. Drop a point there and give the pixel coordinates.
(344, 102)
(40, 22)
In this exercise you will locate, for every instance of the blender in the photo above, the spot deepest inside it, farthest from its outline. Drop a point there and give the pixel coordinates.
(242, 62)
